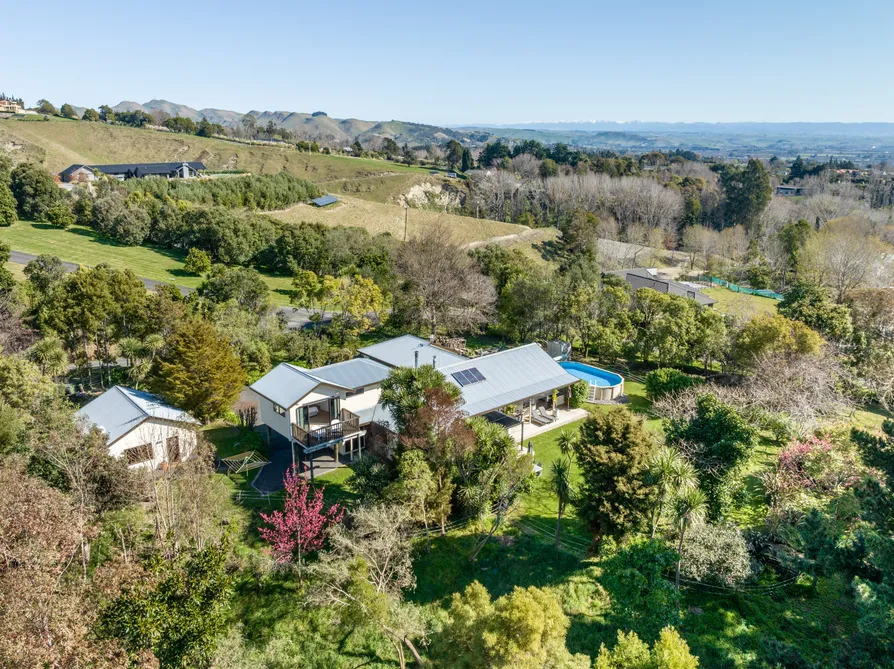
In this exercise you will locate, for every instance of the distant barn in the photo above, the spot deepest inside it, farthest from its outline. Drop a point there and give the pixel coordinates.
(324, 201)
(183, 170)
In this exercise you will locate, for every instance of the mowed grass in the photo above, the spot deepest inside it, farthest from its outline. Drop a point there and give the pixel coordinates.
(377, 218)
(740, 305)
(83, 246)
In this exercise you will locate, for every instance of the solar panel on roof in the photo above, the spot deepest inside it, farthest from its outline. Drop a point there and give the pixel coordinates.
(466, 377)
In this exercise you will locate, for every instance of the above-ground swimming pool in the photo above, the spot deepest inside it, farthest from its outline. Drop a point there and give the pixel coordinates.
(604, 385)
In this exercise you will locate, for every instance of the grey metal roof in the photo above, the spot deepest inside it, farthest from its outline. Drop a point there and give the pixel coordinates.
(119, 410)
(509, 376)
(401, 352)
(325, 200)
(353, 374)
(138, 169)
(642, 278)
(285, 384)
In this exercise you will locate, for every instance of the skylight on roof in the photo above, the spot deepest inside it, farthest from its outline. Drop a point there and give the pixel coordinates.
(467, 377)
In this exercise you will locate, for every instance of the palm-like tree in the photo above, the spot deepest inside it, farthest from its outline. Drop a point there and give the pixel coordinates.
(153, 344)
(672, 474)
(567, 441)
(131, 348)
(691, 507)
(49, 355)
(560, 483)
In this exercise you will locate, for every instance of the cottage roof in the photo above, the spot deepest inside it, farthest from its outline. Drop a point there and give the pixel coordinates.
(119, 410)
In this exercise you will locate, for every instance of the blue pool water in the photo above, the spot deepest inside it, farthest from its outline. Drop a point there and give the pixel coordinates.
(592, 375)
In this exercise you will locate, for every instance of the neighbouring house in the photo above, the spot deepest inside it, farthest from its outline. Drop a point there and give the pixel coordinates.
(140, 427)
(651, 278)
(10, 107)
(789, 191)
(85, 173)
(332, 408)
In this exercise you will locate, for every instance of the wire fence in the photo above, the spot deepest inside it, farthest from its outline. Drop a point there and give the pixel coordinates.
(545, 530)
(741, 289)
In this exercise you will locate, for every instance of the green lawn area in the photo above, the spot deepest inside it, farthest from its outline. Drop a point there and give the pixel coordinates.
(83, 246)
(18, 271)
(741, 305)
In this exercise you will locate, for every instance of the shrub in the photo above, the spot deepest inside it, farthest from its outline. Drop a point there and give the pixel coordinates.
(60, 215)
(197, 262)
(578, 394)
(663, 381)
(715, 554)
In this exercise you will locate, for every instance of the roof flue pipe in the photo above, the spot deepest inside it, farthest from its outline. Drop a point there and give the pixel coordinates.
(415, 359)
(434, 361)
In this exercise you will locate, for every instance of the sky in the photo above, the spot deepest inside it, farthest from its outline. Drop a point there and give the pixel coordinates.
(462, 62)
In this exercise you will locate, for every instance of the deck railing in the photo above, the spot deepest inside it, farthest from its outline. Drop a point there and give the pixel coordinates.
(347, 425)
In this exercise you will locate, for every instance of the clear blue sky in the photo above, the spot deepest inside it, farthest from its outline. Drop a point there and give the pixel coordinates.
(464, 62)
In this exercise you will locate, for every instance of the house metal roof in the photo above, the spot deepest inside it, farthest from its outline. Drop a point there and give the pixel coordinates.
(643, 278)
(509, 376)
(401, 352)
(353, 374)
(285, 384)
(139, 169)
(324, 201)
(119, 410)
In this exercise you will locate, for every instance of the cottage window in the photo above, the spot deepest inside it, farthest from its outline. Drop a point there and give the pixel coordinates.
(279, 410)
(138, 454)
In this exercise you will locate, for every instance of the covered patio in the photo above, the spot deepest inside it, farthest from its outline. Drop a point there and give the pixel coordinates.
(529, 429)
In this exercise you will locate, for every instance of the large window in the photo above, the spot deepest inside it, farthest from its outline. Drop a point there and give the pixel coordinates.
(138, 454)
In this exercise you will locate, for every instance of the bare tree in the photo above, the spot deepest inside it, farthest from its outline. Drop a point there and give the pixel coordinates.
(845, 255)
(450, 290)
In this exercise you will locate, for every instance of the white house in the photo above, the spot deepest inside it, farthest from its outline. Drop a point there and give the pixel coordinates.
(324, 408)
(141, 427)
(331, 407)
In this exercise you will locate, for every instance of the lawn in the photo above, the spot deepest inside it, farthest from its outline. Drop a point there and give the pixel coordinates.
(741, 305)
(83, 246)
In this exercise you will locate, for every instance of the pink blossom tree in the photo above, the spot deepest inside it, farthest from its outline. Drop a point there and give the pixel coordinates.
(300, 528)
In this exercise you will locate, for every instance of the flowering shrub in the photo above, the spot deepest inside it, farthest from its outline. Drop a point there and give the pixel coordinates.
(809, 473)
(300, 528)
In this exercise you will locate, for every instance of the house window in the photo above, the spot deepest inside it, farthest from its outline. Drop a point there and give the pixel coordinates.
(138, 454)
(172, 446)
(279, 410)
(356, 391)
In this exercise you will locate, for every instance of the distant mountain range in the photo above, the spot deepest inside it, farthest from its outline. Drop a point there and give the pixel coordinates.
(313, 127)
(814, 129)
(861, 141)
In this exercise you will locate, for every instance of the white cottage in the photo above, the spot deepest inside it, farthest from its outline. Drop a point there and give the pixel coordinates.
(140, 427)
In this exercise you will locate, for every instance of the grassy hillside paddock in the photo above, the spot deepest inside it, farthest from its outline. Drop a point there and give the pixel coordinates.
(59, 143)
